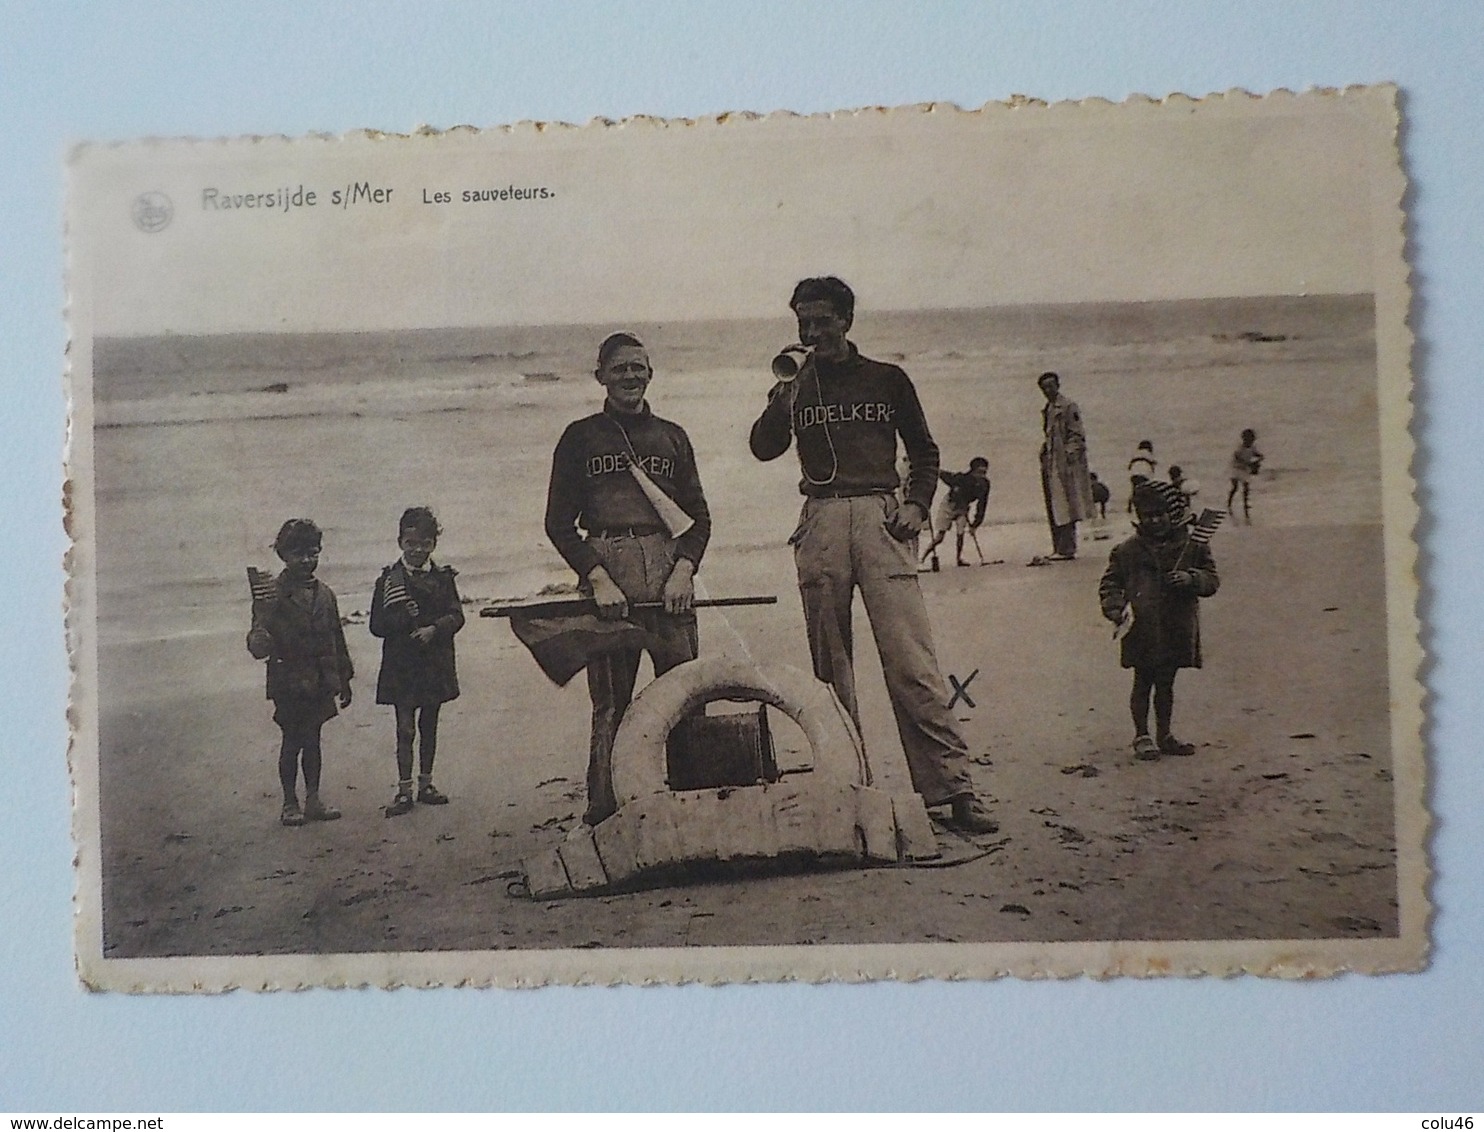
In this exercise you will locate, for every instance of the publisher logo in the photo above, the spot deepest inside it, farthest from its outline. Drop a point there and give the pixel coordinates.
(152, 211)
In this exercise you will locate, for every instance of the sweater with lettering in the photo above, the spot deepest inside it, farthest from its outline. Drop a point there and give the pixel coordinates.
(846, 417)
(592, 487)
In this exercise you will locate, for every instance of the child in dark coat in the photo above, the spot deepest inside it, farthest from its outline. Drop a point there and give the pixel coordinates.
(1157, 578)
(416, 611)
(296, 629)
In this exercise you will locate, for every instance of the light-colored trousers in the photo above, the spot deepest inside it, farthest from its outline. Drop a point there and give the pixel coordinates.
(841, 544)
(1063, 535)
(639, 565)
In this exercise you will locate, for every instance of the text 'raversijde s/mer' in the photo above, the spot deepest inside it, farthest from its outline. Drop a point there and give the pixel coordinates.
(291, 198)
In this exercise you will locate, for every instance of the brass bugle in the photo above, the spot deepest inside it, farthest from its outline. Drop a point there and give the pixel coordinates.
(791, 361)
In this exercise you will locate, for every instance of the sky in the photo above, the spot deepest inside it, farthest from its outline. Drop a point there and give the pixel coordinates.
(654, 222)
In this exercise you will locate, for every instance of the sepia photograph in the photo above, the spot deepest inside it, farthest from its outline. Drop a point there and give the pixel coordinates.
(889, 544)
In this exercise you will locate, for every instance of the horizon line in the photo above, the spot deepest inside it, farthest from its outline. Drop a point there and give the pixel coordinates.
(132, 335)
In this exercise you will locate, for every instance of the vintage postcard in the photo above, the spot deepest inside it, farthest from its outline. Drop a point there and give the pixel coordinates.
(887, 544)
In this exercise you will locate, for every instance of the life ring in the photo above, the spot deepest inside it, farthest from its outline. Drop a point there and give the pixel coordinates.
(639, 765)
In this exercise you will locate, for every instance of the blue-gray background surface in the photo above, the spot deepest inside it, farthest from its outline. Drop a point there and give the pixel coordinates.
(120, 70)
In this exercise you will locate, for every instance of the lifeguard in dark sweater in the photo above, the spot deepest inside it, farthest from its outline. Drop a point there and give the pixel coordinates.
(845, 413)
(623, 553)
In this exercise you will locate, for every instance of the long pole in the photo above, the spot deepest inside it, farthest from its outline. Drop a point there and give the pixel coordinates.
(973, 534)
(572, 606)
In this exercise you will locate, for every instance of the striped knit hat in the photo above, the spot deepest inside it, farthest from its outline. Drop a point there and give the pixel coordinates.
(1168, 498)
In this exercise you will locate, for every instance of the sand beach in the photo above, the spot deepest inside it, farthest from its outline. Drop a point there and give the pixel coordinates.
(1282, 826)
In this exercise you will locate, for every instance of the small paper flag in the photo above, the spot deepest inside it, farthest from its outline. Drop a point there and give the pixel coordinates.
(261, 584)
(1206, 525)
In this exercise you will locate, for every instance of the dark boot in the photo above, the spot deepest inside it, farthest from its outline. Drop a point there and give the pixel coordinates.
(970, 816)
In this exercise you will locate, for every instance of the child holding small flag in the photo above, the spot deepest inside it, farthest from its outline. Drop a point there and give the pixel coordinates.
(296, 629)
(1151, 591)
(416, 611)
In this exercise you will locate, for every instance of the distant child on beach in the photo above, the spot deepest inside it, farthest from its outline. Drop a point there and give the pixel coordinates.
(966, 490)
(1188, 487)
(296, 628)
(415, 610)
(1100, 496)
(1151, 590)
(1246, 463)
(1141, 467)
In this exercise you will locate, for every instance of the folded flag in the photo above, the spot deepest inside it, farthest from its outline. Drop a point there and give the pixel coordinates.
(563, 645)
